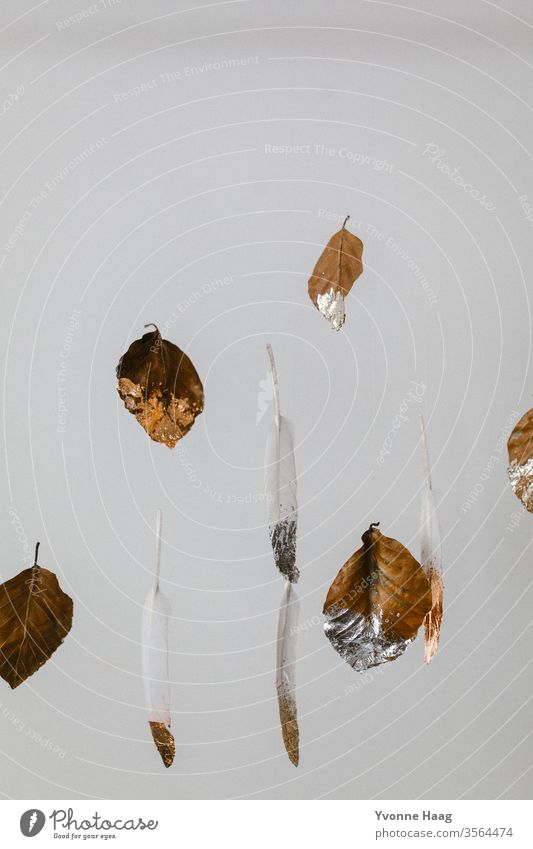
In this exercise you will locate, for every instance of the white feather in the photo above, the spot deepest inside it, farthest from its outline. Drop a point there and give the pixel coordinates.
(286, 640)
(280, 486)
(430, 545)
(280, 473)
(155, 646)
(430, 557)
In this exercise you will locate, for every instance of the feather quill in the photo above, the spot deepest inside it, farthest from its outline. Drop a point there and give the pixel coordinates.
(285, 679)
(155, 661)
(280, 486)
(430, 557)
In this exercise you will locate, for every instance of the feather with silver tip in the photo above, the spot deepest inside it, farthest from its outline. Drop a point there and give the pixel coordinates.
(280, 487)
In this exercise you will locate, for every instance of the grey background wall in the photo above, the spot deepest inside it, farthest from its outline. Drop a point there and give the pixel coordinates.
(185, 165)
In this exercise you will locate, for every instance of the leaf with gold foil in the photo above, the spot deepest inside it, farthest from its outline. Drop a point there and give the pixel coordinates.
(334, 274)
(155, 662)
(431, 558)
(160, 387)
(35, 617)
(377, 602)
(520, 471)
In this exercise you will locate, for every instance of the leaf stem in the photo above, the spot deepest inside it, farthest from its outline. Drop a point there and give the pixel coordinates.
(345, 221)
(36, 553)
(156, 327)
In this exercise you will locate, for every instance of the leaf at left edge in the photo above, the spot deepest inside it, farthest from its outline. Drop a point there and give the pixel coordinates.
(35, 617)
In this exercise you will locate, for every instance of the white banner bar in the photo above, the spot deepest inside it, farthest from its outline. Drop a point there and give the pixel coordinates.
(268, 824)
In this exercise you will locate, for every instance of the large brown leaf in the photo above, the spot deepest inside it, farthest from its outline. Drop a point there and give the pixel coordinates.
(377, 602)
(520, 471)
(160, 386)
(337, 269)
(35, 617)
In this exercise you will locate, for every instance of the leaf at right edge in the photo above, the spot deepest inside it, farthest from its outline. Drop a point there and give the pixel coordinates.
(285, 679)
(35, 617)
(281, 497)
(520, 471)
(155, 672)
(431, 558)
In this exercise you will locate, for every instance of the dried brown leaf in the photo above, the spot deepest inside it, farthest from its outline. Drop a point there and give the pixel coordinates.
(160, 387)
(520, 471)
(337, 269)
(377, 602)
(35, 617)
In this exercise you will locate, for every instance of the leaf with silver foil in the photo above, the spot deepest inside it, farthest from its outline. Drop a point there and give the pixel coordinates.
(377, 602)
(520, 471)
(337, 269)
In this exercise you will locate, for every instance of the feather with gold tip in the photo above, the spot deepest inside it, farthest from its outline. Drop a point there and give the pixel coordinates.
(430, 556)
(155, 661)
(285, 679)
(282, 505)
